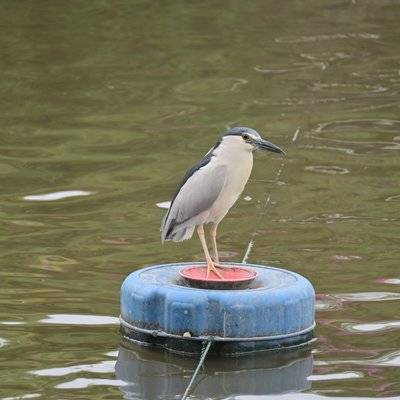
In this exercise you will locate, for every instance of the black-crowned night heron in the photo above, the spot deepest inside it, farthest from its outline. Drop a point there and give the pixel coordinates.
(211, 187)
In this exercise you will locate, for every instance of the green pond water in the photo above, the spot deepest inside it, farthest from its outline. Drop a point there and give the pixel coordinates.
(110, 102)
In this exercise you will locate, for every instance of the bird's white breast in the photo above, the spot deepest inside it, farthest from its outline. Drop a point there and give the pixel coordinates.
(238, 163)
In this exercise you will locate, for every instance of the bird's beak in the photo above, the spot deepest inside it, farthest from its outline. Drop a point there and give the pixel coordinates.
(263, 144)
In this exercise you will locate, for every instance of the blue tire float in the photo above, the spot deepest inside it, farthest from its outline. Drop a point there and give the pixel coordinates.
(275, 311)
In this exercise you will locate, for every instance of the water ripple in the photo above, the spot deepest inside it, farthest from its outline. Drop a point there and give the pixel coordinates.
(361, 135)
(284, 69)
(367, 296)
(372, 327)
(334, 148)
(210, 86)
(391, 359)
(317, 38)
(393, 198)
(327, 169)
(325, 302)
(355, 88)
(296, 101)
(341, 257)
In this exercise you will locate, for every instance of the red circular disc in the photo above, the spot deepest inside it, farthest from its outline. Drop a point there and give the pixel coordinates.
(233, 277)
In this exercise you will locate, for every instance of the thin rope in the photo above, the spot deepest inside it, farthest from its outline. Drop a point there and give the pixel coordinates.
(266, 203)
(296, 134)
(199, 365)
(251, 242)
(263, 213)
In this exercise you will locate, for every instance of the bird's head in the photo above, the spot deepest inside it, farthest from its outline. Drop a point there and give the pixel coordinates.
(249, 140)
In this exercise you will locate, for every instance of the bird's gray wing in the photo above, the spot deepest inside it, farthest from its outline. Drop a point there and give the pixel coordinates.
(195, 196)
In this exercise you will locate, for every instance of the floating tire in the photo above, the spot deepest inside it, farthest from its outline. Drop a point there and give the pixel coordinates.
(159, 308)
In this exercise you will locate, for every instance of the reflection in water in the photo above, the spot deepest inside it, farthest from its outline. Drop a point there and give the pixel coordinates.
(82, 383)
(77, 319)
(150, 375)
(57, 195)
(391, 359)
(390, 281)
(336, 376)
(164, 204)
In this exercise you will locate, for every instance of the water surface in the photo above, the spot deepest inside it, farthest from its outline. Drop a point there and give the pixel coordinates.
(106, 104)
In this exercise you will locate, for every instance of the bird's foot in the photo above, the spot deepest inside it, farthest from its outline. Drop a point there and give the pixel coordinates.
(211, 266)
(218, 265)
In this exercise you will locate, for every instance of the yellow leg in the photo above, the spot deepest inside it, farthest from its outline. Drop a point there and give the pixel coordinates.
(210, 264)
(213, 233)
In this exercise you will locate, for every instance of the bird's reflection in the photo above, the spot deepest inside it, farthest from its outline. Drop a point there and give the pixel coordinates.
(152, 374)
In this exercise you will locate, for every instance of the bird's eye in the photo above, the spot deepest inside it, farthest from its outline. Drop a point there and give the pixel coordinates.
(245, 136)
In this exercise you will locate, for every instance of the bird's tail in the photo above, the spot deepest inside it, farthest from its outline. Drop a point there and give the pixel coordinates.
(181, 234)
(175, 232)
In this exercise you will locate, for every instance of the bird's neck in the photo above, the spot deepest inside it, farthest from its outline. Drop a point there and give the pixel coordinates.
(234, 155)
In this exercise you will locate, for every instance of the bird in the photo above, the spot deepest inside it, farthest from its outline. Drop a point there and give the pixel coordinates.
(211, 187)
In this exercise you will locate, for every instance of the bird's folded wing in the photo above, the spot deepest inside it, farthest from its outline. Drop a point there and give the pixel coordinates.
(196, 195)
